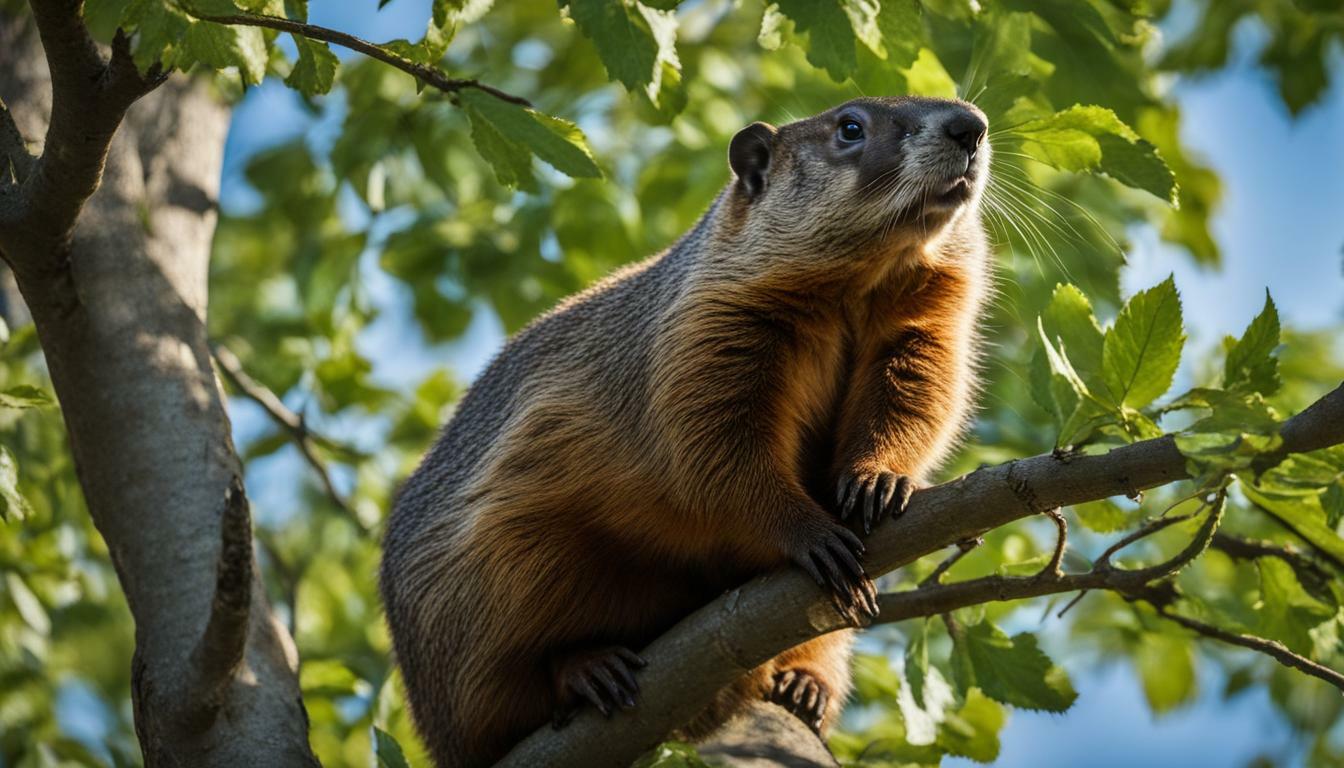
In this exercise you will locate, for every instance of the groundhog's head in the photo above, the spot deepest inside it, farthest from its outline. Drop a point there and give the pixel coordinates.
(872, 170)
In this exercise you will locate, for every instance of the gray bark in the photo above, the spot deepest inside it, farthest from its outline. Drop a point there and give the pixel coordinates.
(120, 312)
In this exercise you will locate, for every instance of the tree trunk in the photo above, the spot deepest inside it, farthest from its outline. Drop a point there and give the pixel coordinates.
(121, 321)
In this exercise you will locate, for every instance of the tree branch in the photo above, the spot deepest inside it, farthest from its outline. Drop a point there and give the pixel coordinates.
(1272, 648)
(219, 653)
(752, 624)
(90, 97)
(424, 73)
(304, 439)
(15, 160)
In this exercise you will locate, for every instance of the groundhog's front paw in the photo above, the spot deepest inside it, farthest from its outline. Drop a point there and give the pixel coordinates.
(830, 553)
(873, 496)
(802, 695)
(604, 678)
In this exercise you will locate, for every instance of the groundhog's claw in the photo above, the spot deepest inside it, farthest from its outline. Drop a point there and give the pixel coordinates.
(831, 557)
(802, 695)
(604, 678)
(874, 495)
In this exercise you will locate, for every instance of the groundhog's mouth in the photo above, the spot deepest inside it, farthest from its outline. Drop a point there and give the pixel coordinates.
(952, 193)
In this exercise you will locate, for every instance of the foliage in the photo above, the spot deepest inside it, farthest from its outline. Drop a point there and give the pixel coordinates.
(425, 214)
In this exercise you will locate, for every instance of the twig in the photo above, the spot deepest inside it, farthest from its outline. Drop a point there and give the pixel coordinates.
(1272, 648)
(963, 548)
(220, 650)
(233, 370)
(426, 74)
(1053, 569)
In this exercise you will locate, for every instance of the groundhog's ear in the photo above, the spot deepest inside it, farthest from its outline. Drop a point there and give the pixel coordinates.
(749, 156)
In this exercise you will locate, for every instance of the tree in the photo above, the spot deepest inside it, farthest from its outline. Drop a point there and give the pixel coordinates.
(428, 211)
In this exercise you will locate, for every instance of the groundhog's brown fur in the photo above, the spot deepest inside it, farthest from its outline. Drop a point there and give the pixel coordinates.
(704, 416)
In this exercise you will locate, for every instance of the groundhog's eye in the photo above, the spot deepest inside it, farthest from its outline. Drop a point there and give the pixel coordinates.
(851, 131)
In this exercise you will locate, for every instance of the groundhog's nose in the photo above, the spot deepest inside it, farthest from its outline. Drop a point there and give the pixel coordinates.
(967, 129)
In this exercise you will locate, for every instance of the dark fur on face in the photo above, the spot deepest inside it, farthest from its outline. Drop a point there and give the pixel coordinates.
(864, 175)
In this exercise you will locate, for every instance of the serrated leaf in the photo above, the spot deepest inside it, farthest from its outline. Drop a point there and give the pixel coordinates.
(1069, 321)
(902, 28)
(388, 750)
(24, 396)
(1141, 352)
(517, 129)
(830, 36)
(315, 70)
(1251, 364)
(158, 31)
(623, 39)
(1011, 670)
(1166, 666)
(220, 46)
(1092, 139)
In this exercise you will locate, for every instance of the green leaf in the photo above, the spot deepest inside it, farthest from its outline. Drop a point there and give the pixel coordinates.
(1058, 388)
(11, 501)
(622, 36)
(1251, 364)
(387, 750)
(1302, 514)
(315, 70)
(1288, 613)
(30, 608)
(1091, 138)
(924, 717)
(158, 30)
(24, 396)
(1141, 352)
(220, 46)
(1011, 670)
(1105, 516)
(1068, 320)
(973, 730)
(917, 662)
(1166, 665)
(507, 128)
(830, 36)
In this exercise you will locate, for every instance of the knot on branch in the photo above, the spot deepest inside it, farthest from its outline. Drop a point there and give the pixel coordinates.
(220, 651)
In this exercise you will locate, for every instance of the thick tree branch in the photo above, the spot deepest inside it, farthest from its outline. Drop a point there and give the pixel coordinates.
(424, 73)
(90, 97)
(304, 439)
(751, 624)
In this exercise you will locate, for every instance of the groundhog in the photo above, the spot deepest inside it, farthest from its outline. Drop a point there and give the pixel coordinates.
(778, 380)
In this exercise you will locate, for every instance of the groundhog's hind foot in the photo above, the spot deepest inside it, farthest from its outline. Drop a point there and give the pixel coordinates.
(604, 678)
(802, 695)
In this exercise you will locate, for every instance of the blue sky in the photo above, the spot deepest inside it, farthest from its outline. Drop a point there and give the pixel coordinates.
(1281, 227)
